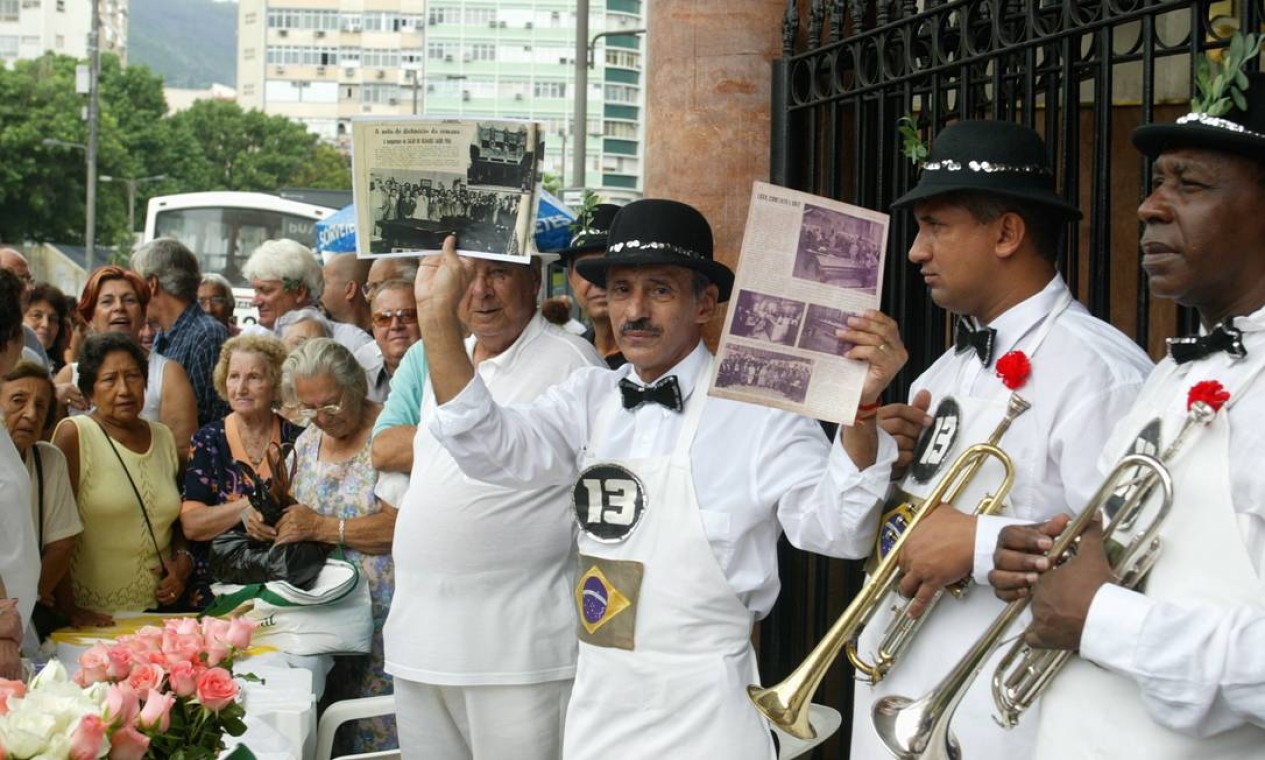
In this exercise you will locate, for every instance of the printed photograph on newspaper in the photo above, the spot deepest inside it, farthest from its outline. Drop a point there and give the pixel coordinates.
(807, 264)
(417, 180)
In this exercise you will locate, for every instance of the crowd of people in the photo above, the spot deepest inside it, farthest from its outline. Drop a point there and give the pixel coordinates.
(567, 541)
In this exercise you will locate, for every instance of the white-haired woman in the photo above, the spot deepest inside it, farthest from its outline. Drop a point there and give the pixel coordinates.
(288, 284)
(334, 482)
(215, 297)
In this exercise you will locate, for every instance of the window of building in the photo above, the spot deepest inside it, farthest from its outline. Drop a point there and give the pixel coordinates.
(441, 51)
(624, 59)
(620, 93)
(549, 89)
(622, 129)
(442, 15)
(248, 54)
(8, 46)
(9, 11)
(482, 51)
(480, 16)
(380, 58)
(248, 89)
(387, 94)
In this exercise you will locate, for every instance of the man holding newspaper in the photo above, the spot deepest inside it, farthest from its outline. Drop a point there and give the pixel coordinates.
(680, 497)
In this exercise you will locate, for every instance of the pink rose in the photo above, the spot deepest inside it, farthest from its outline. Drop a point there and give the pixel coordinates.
(121, 705)
(128, 744)
(10, 689)
(93, 665)
(151, 637)
(216, 689)
(86, 741)
(145, 676)
(240, 630)
(182, 640)
(120, 662)
(156, 714)
(183, 678)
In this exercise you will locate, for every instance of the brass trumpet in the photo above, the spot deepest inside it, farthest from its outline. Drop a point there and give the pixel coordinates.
(921, 728)
(785, 704)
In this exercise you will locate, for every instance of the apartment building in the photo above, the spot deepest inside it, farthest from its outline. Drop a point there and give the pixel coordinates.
(324, 61)
(30, 28)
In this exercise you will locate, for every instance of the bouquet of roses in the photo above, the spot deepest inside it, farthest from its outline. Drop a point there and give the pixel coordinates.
(159, 693)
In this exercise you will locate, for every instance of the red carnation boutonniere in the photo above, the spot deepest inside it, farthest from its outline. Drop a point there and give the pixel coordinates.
(1014, 369)
(1208, 392)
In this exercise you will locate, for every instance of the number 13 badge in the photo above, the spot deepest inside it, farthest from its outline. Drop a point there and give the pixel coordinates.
(609, 502)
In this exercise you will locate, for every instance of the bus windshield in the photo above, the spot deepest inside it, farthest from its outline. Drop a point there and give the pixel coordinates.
(224, 237)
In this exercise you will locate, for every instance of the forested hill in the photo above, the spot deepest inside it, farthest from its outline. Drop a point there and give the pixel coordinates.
(190, 43)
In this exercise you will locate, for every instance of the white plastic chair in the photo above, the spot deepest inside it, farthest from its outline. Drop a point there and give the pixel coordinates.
(349, 710)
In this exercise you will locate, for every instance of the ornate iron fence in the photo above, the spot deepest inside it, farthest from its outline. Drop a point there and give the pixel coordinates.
(1083, 73)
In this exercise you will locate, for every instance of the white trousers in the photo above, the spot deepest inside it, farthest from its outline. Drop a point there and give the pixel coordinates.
(490, 722)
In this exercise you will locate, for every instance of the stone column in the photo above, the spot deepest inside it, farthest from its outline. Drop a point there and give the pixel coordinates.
(707, 106)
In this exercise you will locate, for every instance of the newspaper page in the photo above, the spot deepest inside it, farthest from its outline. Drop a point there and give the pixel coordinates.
(417, 180)
(807, 264)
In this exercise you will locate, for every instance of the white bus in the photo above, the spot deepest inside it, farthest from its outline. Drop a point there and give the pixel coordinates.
(224, 228)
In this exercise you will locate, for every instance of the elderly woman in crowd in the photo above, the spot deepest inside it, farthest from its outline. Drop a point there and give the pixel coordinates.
(310, 325)
(333, 483)
(27, 401)
(47, 315)
(248, 377)
(288, 284)
(215, 297)
(114, 300)
(123, 472)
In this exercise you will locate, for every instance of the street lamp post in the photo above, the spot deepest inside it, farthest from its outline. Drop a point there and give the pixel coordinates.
(130, 183)
(90, 151)
(584, 47)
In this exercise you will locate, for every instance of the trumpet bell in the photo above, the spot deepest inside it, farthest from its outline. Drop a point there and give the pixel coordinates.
(910, 730)
(788, 715)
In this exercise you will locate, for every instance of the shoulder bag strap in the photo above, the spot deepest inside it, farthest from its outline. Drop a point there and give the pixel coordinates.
(144, 512)
(39, 490)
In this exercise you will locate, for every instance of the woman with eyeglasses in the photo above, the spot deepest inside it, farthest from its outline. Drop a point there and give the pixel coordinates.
(215, 297)
(334, 483)
(248, 377)
(114, 300)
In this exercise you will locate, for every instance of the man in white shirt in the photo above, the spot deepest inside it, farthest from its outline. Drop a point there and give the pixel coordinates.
(1176, 669)
(990, 226)
(480, 636)
(19, 555)
(680, 498)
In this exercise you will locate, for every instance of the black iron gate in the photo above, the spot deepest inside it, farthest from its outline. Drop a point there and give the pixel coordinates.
(1081, 72)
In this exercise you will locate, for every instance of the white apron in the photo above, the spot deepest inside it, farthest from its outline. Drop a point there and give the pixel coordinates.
(665, 644)
(1090, 712)
(954, 624)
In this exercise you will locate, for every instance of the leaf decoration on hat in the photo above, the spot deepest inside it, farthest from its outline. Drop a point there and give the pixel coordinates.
(914, 148)
(584, 215)
(1220, 83)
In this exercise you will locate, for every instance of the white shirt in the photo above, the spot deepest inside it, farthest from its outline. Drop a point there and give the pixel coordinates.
(19, 556)
(1085, 376)
(1201, 667)
(757, 471)
(483, 573)
(61, 512)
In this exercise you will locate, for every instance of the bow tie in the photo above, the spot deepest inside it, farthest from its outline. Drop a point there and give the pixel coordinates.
(966, 337)
(666, 392)
(1224, 337)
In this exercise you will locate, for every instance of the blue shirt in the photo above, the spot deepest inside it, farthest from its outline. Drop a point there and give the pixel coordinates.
(194, 342)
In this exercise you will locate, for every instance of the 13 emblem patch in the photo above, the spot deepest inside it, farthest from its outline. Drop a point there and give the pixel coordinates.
(937, 441)
(609, 502)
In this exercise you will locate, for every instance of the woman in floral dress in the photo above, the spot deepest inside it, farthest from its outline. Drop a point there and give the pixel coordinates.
(334, 479)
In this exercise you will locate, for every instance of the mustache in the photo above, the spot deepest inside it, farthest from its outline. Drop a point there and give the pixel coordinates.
(639, 325)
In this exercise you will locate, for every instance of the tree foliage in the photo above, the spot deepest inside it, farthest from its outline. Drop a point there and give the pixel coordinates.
(212, 146)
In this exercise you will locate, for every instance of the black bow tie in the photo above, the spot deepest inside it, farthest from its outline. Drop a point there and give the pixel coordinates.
(981, 340)
(666, 392)
(1224, 337)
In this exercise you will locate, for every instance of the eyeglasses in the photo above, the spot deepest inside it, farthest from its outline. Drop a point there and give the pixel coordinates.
(305, 414)
(212, 301)
(406, 317)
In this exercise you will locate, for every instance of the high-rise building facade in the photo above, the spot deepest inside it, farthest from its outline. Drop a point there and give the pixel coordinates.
(324, 61)
(30, 28)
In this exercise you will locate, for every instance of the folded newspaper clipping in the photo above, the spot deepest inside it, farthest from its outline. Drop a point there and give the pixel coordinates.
(807, 264)
(417, 180)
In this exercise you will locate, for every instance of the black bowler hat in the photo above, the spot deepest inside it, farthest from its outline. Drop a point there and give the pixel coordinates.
(1241, 132)
(653, 232)
(990, 156)
(592, 234)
